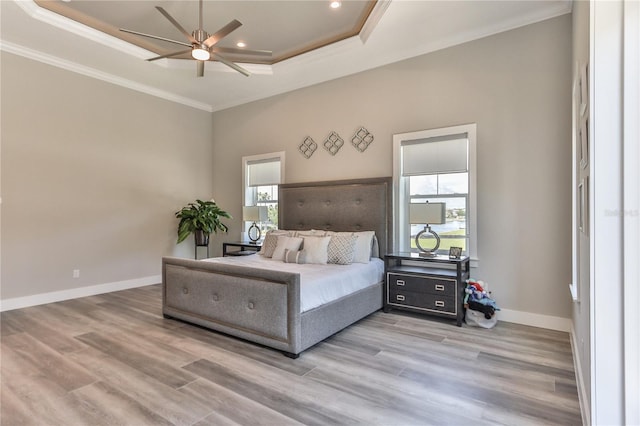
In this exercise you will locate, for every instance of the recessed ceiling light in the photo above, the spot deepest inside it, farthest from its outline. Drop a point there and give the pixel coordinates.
(336, 4)
(241, 44)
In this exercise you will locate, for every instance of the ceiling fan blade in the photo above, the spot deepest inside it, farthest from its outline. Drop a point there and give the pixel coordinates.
(169, 55)
(234, 51)
(177, 25)
(222, 32)
(155, 37)
(200, 69)
(231, 65)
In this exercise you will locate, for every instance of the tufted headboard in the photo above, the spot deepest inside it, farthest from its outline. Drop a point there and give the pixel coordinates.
(346, 205)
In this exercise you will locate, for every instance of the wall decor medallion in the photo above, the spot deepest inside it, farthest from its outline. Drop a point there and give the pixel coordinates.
(307, 147)
(333, 143)
(361, 139)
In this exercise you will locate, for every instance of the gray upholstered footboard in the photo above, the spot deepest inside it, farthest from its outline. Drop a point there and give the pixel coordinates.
(258, 305)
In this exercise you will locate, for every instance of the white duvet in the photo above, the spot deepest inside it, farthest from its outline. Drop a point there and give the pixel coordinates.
(319, 284)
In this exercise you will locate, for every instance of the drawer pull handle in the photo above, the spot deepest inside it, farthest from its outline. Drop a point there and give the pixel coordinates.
(439, 303)
(400, 297)
(399, 282)
(440, 287)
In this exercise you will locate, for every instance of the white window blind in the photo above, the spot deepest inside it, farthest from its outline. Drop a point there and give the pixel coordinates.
(263, 172)
(435, 155)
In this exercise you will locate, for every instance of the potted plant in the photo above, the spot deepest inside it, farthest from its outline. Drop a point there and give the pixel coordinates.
(200, 218)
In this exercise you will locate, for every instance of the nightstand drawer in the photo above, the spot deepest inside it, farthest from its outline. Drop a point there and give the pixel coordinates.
(420, 284)
(422, 301)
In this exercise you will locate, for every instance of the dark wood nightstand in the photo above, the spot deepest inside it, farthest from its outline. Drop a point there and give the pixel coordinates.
(429, 285)
(245, 248)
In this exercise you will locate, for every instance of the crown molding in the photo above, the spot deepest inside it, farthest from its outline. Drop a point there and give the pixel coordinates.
(66, 24)
(100, 75)
(374, 17)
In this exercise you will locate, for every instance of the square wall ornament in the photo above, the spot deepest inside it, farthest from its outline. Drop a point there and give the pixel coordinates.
(333, 143)
(307, 147)
(361, 139)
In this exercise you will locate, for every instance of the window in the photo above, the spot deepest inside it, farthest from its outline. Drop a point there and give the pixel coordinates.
(437, 166)
(261, 176)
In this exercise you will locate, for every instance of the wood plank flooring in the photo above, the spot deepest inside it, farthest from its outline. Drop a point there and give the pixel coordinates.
(113, 359)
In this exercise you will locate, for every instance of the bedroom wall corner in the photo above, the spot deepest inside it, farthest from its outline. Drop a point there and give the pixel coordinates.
(91, 175)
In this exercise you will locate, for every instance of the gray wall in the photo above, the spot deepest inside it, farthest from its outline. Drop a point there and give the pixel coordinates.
(91, 176)
(516, 86)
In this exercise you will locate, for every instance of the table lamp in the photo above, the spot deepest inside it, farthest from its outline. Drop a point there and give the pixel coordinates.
(254, 214)
(427, 214)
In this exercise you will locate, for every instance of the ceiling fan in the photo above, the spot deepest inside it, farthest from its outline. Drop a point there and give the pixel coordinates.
(202, 45)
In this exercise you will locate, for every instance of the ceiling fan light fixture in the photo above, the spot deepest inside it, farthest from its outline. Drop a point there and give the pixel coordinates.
(200, 54)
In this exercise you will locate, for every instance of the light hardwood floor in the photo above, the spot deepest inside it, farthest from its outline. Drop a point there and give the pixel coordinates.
(113, 359)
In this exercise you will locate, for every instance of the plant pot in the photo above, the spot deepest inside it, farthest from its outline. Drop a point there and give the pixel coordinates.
(202, 238)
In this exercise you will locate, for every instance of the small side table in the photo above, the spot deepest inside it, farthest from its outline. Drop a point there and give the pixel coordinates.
(245, 248)
(425, 286)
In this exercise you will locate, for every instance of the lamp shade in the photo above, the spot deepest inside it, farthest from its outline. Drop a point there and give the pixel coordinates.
(254, 213)
(427, 213)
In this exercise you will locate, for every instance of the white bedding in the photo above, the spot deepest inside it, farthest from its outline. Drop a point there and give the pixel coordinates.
(319, 284)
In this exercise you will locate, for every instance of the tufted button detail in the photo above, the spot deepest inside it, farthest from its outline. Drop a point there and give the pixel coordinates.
(215, 297)
(358, 227)
(327, 203)
(251, 305)
(358, 202)
(185, 290)
(300, 203)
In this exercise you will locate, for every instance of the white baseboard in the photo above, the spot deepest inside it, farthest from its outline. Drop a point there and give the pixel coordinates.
(535, 320)
(74, 293)
(585, 409)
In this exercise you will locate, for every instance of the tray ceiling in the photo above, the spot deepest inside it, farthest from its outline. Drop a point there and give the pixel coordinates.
(312, 43)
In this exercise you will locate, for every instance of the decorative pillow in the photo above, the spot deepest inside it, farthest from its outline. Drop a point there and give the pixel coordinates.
(311, 233)
(284, 243)
(315, 249)
(294, 256)
(363, 246)
(342, 248)
(270, 241)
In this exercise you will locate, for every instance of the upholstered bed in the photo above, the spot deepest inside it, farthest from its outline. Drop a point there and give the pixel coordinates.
(264, 305)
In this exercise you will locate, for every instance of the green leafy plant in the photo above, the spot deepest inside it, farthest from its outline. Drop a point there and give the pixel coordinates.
(201, 215)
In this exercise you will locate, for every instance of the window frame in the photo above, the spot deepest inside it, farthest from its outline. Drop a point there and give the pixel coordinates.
(249, 196)
(401, 185)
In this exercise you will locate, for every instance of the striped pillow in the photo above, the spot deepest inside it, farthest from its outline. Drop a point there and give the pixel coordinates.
(294, 256)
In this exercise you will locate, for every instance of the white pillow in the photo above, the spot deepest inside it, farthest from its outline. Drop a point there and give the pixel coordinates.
(285, 243)
(363, 246)
(316, 249)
